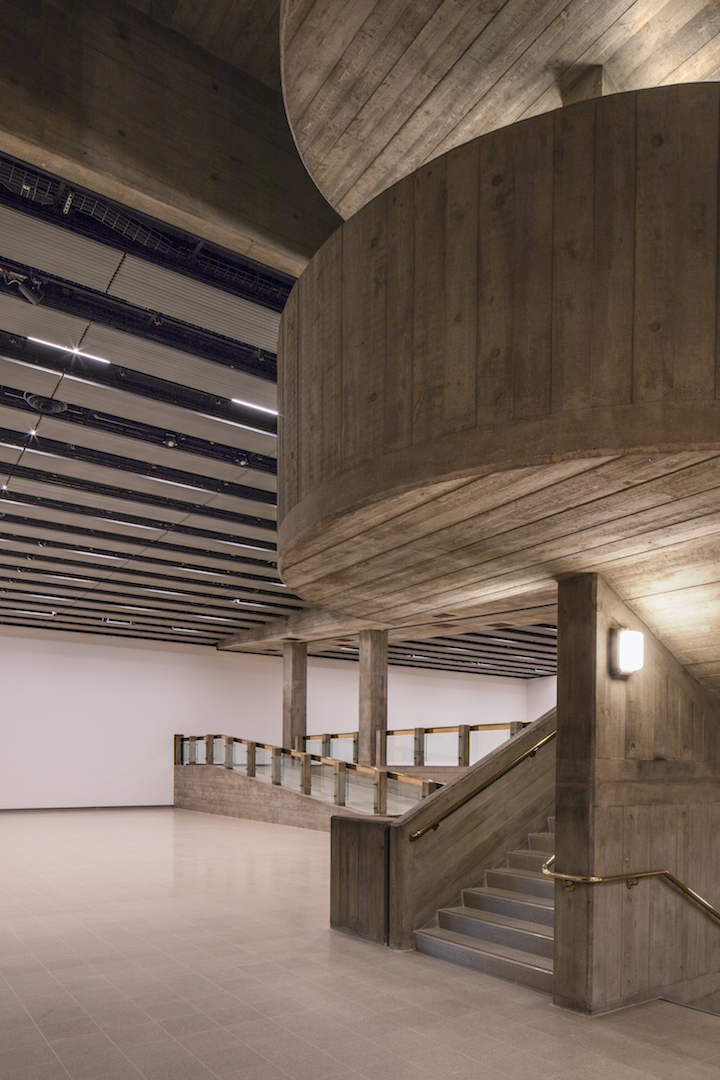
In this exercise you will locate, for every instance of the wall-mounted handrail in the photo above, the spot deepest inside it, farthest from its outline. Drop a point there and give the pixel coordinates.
(481, 787)
(570, 880)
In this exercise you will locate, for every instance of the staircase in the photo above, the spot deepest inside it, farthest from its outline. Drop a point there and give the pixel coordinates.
(504, 927)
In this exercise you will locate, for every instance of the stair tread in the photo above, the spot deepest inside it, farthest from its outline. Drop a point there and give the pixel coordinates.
(501, 920)
(517, 871)
(527, 851)
(508, 894)
(505, 952)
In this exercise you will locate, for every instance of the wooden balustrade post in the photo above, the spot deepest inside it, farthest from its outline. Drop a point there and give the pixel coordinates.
(250, 767)
(229, 752)
(380, 747)
(209, 749)
(276, 769)
(306, 774)
(355, 748)
(339, 783)
(380, 801)
(419, 746)
(178, 749)
(326, 746)
(428, 786)
(192, 750)
(516, 728)
(464, 744)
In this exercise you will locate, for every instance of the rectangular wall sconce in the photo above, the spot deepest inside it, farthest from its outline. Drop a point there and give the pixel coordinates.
(625, 652)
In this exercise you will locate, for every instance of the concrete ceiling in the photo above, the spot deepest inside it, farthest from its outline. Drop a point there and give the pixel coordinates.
(375, 89)
(245, 33)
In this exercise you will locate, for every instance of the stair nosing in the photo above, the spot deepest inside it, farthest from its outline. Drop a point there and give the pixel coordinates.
(496, 919)
(489, 948)
(508, 894)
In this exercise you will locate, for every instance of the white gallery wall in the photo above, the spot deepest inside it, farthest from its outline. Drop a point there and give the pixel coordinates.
(86, 721)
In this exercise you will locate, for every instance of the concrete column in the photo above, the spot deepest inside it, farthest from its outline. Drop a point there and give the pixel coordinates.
(294, 692)
(636, 790)
(373, 692)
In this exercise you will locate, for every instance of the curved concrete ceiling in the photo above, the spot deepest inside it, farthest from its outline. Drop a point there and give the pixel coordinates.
(377, 88)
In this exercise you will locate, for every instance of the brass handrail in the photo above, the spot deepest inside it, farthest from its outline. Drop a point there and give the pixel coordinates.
(486, 784)
(570, 880)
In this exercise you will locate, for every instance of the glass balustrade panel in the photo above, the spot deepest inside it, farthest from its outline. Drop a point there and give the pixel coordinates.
(342, 749)
(290, 771)
(240, 757)
(400, 750)
(322, 779)
(483, 742)
(185, 756)
(263, 762)
(218, 752)
(313, 746)
(402, 796)
(441, 747)
(360, 791)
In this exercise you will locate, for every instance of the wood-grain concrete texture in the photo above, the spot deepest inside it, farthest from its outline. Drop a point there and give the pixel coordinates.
(105, 97)
(214, 790)
(374, 89)
(504, 369)
(637, 789)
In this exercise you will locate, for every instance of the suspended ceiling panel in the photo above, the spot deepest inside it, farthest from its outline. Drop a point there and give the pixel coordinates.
(17, 316)
(178, 367)
(58, 251)
(157, 289)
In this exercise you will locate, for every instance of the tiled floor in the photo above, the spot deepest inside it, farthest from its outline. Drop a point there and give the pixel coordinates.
(169, 945)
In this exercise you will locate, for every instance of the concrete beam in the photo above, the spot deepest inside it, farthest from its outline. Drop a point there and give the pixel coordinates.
(313, 624)
(101, 95)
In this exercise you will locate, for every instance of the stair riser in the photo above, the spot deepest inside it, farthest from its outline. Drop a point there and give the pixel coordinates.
(542, 842)
(531, 886)
(501, 935)
(491, 965)
(502, 905)
(527, 860)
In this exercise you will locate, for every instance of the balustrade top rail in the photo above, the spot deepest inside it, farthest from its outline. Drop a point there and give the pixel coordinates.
(428, 730)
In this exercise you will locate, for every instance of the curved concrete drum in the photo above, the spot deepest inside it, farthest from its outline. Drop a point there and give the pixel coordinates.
(504, 368)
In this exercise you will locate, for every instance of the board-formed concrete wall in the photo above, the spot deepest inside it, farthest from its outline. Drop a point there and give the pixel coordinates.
(637, 789)
(537, 299)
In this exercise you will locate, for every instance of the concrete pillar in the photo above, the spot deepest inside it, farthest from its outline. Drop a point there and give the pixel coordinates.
(294, 693)
(636, 790)
(373, 693)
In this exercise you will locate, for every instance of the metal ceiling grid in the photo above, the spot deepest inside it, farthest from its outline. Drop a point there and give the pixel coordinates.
(80, 390)
(144, 503)
(178, 367)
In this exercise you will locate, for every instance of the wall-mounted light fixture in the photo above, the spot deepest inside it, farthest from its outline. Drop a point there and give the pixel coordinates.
(625, 652)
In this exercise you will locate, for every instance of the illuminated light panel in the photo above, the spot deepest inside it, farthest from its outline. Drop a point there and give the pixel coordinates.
(69, 349)
(250, 405)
